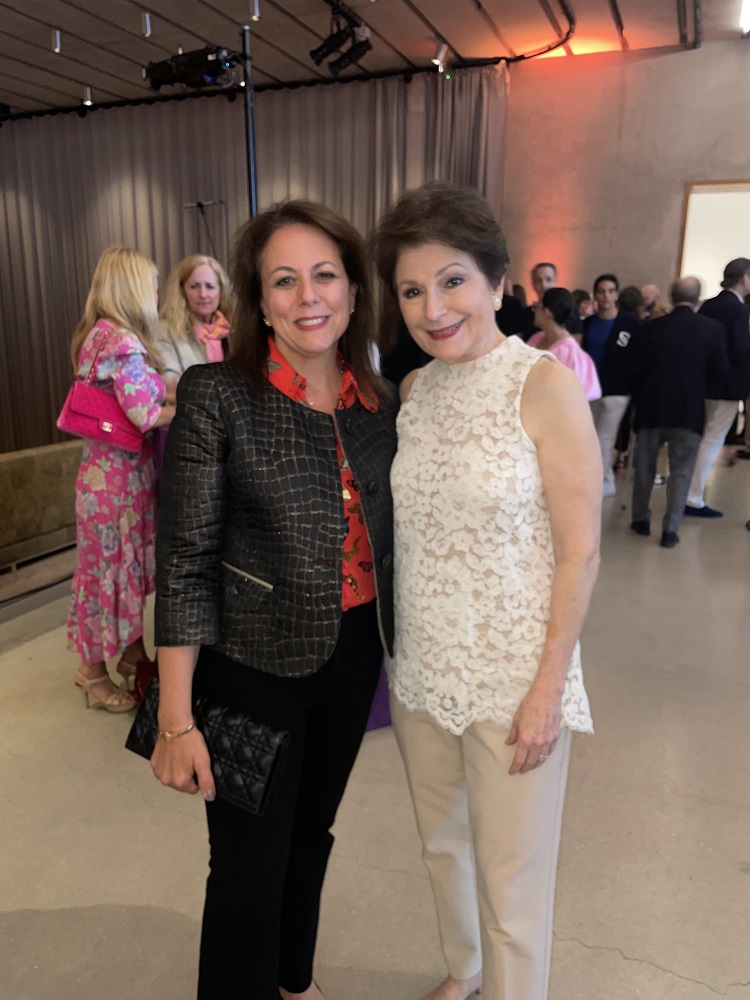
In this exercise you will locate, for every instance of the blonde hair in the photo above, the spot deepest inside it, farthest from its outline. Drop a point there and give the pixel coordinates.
(659, 310)
(122, 291)
(175, 313)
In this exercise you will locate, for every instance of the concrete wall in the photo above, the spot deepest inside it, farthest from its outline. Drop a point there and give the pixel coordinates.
(600, 148)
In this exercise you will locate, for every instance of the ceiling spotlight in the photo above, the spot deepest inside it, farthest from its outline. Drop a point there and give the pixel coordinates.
(439, 58)
(255, 16)
(745, 18)
(56, 40)
(146, 24)
(352, 55)
(87, 97)
(332, 44)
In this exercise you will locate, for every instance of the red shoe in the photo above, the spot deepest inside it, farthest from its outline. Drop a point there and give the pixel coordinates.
(144, 671)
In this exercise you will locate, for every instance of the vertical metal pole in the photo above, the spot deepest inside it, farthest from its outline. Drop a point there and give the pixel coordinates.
(252, 169)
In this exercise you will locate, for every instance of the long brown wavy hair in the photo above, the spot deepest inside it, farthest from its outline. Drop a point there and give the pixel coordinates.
(250, 343)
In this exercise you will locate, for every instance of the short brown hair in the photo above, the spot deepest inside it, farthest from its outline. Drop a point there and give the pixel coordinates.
(250, 343)
(440, 212)
(735, 271)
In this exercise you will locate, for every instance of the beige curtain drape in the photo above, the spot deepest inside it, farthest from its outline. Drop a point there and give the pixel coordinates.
(72, 186)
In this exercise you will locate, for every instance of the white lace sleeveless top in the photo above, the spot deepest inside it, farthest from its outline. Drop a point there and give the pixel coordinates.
(473, 547)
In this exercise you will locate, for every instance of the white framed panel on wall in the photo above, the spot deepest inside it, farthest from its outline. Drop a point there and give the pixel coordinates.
(716, 229)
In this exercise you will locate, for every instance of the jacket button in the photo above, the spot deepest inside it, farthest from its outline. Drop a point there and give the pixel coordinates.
(349, 425)
(386, 561)
(373, 489)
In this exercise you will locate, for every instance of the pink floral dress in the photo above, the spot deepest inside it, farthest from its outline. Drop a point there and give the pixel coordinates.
(115, 505)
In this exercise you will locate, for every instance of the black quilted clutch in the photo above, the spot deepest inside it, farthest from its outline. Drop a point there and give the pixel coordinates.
(246, 756)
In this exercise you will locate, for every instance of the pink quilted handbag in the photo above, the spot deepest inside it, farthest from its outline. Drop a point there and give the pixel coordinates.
(90, 412)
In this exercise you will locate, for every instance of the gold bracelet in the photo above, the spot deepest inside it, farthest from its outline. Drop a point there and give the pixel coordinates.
(168, 737)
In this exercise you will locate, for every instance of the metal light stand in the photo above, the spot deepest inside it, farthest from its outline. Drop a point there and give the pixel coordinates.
(247, 68)
(202, 206)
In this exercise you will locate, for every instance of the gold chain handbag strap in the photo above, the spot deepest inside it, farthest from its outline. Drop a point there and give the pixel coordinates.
(107, 327)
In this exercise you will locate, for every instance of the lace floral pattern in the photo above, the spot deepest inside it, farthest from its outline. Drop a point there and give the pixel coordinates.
(473, 547)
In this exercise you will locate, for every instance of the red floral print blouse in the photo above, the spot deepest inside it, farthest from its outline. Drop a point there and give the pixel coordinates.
(359, 578)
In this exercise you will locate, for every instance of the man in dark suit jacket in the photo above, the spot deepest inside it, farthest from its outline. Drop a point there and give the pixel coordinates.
(678, 356)
(510, 317)
(403, 357)
(724, 393)
(543, 276)
(610, 338)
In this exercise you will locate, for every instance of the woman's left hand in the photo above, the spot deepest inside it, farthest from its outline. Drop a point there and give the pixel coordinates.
(535, 730)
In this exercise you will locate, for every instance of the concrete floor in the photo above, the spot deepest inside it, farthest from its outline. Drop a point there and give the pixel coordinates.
(101, 870)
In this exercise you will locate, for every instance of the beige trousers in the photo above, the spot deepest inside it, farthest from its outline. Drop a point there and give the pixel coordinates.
(720, 414)
(607, 413)
(490, 844)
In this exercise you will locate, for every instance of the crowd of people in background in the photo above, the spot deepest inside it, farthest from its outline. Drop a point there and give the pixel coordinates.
(653, 376)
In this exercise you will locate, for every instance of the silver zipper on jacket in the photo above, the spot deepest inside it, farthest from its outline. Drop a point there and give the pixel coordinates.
(248, 576)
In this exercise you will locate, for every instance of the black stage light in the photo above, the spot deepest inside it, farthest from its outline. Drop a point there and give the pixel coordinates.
(201, 68)
(332, 44)
(352, 55)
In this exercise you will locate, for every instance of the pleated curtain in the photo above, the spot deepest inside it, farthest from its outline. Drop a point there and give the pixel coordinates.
(73, 186)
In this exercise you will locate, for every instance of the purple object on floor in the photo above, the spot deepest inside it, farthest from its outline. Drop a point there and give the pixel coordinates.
(380, 713)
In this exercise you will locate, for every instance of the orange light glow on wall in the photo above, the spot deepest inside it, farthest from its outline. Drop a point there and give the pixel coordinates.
(554, 54)
(584, 46)
(589, 44)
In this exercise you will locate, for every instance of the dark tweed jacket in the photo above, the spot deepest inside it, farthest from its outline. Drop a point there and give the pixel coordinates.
(251, 522)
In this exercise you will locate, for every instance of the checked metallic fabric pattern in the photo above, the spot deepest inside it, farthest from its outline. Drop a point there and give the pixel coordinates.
(251, 521)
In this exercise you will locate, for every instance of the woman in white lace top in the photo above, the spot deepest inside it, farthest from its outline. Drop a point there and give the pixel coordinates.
(497, 512)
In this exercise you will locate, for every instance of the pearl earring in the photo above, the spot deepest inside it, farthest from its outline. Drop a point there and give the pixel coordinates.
(497, 301)
(266, 320)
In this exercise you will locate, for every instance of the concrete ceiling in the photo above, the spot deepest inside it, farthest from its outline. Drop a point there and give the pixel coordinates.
(103, 47)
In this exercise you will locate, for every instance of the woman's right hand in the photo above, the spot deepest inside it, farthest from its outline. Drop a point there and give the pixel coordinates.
(170, 387)
(165, 418)
(185, 765)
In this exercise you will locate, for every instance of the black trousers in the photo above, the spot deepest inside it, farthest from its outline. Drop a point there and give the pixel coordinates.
(260, 919)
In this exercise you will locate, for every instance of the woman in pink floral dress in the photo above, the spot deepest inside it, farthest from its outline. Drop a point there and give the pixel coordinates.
(115, 489)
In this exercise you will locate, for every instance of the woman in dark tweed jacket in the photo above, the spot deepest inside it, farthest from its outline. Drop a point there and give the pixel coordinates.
(274, 589)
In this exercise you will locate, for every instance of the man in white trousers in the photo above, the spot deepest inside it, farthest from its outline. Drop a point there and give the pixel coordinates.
(724, 394)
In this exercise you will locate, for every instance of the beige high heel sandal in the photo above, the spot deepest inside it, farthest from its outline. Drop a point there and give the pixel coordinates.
(116, 701)
(126, 670)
